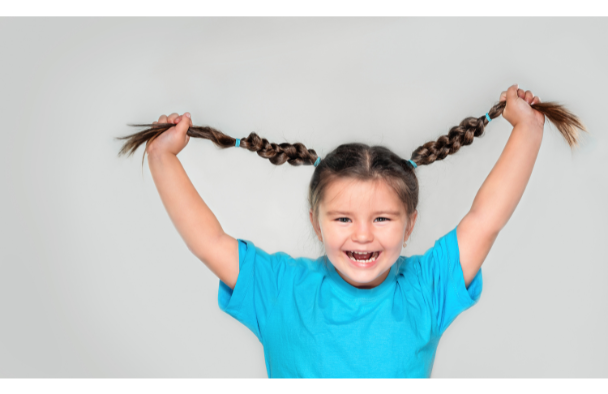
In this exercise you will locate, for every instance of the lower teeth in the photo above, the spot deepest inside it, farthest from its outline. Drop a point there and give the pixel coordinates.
(363, 261)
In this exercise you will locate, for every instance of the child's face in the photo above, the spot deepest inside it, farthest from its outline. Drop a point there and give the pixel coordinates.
(362, 216)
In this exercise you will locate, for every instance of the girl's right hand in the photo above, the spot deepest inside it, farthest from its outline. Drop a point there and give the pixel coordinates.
(173, 140)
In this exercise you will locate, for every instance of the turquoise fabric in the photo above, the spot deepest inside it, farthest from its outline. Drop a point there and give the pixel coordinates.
(313, 324)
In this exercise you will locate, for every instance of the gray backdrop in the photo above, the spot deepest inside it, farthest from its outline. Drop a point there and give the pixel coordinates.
(95, 281)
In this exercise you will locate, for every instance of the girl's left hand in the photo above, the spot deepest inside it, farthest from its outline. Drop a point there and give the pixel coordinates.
(518, 108)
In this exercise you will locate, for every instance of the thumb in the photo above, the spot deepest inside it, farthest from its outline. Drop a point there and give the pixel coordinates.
(184, 123)
(512, 92)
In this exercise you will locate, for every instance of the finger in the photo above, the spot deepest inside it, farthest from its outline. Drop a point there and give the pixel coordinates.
(172, 117)
(512, 93)
(528, 97)
(521, 93)
(179, 118)
(188, 116)
(184, 124)
(503, 96)
(155, 122)
(536, 100)
(163, 119)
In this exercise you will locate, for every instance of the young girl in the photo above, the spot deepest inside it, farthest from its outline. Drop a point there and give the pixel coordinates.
(362, 310)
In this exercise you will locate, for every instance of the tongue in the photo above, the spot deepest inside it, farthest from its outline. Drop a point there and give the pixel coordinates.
(363, 256)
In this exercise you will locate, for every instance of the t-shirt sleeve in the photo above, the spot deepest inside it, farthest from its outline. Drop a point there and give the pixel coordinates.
(257, 287)
(441, 274)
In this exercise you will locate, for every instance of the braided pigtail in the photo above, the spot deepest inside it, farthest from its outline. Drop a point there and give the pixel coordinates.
(471, 127)
(295, 154)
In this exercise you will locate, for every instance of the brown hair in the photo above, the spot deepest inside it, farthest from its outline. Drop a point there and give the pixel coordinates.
(360, 161)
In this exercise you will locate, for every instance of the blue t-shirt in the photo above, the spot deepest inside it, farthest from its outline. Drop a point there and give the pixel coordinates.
(314, 324)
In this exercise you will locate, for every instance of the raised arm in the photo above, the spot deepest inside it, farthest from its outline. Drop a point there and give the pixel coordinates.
(500, 193)
(192, 218)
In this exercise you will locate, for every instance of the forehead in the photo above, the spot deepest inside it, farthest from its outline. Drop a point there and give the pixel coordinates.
(352, 194)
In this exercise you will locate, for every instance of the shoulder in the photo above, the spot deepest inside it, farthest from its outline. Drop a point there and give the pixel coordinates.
(278, 260)
(444, 248)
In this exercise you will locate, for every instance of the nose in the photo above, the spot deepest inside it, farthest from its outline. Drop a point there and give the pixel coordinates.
(363, 232)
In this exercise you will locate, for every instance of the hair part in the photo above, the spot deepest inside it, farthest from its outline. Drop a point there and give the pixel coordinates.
(361, 162)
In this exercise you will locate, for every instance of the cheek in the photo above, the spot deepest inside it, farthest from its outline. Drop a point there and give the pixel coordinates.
(334, 232)
(391, 234)
(334, 239)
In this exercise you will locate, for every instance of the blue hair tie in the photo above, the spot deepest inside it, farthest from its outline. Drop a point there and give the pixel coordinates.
(317, 161)
(488, 117)
(238, 142)
(413, 164)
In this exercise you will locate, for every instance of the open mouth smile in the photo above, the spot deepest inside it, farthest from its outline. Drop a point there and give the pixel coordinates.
(363, 258)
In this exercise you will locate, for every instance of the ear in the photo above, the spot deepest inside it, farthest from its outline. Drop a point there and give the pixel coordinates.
(315, 226)
(408, 231)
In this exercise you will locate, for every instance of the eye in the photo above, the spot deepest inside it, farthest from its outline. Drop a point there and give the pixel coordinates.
(385, 219)
(339, 219)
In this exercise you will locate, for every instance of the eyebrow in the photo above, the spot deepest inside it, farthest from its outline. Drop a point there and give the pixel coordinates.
(396, 213)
